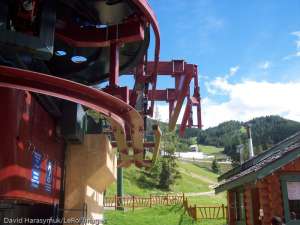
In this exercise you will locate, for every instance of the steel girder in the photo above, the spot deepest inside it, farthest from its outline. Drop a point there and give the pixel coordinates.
(183, 74)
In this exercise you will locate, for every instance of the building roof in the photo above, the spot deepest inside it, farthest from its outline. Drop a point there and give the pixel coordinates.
(261, 165)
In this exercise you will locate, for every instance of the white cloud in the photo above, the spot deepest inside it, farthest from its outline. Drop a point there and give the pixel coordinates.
(266, 65)
(250, 99)
(212, 86)
(246, 100)
(161, 112)
(297, 54)
(296, 33)
(233, 70)
(298, 43)
(218, 86)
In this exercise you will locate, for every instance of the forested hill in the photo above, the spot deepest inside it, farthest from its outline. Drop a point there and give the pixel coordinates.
(266, 131)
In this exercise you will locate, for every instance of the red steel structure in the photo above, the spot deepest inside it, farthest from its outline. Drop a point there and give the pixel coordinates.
(50, 54)
(26, 123)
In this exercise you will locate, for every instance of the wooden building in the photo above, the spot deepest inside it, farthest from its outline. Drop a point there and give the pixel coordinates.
(265, 186)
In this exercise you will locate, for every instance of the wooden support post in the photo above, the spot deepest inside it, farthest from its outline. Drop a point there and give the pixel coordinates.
(223, 210)
(150, 200)
(167, 199)
(195, 212)
(116, 202)
(133, 202)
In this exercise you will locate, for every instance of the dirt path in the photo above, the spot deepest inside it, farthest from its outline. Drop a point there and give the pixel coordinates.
(197, 176)
(192, 194)
(203, 161)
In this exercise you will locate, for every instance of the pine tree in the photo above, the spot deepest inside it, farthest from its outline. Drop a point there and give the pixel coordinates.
(215, 166)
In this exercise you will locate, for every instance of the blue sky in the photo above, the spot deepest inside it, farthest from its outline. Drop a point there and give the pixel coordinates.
(248, 53)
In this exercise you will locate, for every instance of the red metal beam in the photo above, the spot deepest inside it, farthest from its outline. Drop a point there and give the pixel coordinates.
(182, 90)
(185, 118)
(119, 92)
(61, 88)
(174, 67)
(114, 65)
(160, 95)
(113, 108)
(131, 31)
(151, 18)
(183, 74)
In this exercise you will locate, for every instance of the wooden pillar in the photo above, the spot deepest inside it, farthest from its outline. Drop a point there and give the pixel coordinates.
(264, 201)
(133, 202)
(275, 195)
(231, 208)
(195, 212)
(248, 205)
(167, 199)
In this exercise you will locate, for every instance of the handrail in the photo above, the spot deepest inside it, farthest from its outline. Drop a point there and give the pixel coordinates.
(111, 107)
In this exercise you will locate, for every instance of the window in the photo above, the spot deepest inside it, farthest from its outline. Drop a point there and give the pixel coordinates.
(291, 198)
(239, 207)
(293, 189)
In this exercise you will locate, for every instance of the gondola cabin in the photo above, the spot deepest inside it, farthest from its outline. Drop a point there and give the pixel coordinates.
(265, 186)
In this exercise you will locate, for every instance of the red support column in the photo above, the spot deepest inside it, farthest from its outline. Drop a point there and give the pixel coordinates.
(114, 65)
(171, 108)
(185, 118)
(199, 116)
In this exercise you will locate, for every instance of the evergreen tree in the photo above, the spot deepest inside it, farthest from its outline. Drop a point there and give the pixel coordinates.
(215, 166)
(165, 172)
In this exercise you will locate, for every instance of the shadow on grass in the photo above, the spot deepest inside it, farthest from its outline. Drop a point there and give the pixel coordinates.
(176, 208)
(185, 219)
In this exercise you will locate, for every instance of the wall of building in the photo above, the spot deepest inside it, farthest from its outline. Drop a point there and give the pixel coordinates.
(231, 208)
(248, 204)
(269, 196)
(28, 139)
(90, 168)
(270, 191)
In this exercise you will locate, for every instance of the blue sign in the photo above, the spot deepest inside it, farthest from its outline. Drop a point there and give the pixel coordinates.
(49, 176)
(36, 169)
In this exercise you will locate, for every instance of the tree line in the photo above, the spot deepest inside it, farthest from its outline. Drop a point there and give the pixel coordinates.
(266, 131)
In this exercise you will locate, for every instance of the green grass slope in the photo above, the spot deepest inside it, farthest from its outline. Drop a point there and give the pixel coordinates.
(130, 184)
(194, 178)
(172, 215)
